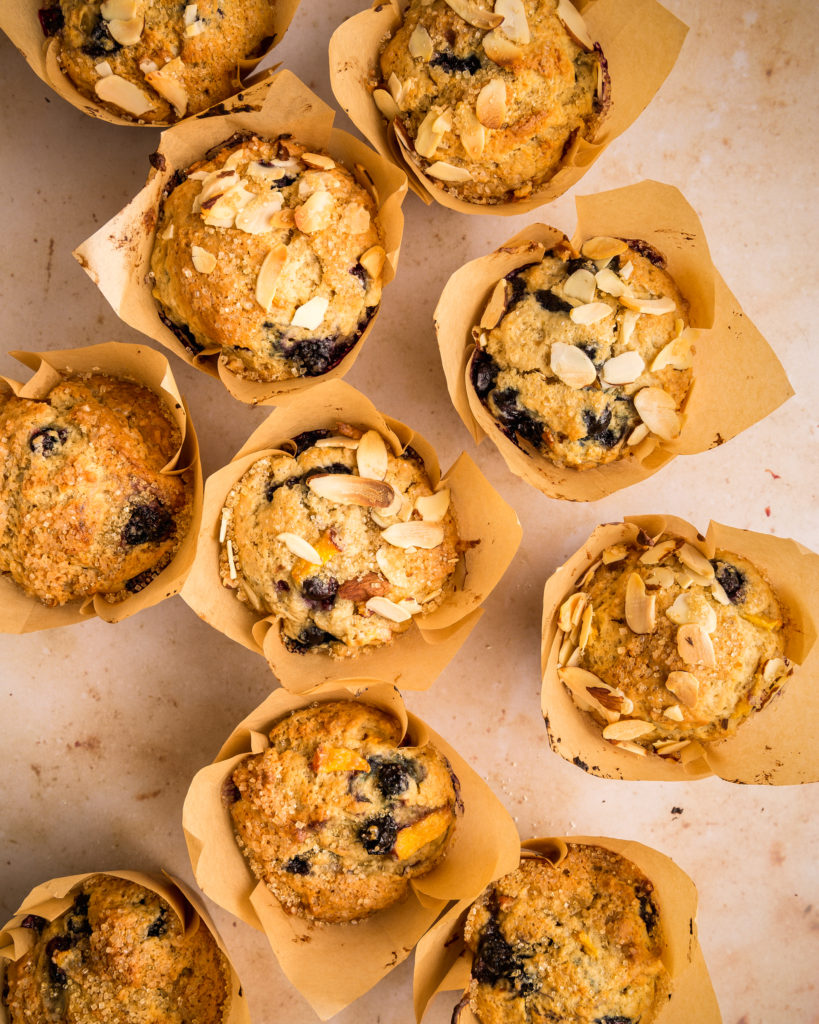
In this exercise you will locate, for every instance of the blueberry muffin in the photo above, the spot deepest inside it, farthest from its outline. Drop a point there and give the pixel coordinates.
(337, 816)
(488, 101)
(342, 540)
(85, 504)
(155, 62)
(578, 941)
(118, 955)
(663, 646)
(271, 254)
(580, 356)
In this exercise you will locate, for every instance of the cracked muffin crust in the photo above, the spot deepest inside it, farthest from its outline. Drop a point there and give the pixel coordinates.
(118, 955)
(664, 647)
(85, 507)
(337, 815)
(343, 540)
(577, 942)
(156, 62)
(487, 98)
(272, 254)
(581, 356)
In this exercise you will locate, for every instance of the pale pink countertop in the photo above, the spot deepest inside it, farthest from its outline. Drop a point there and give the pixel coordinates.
(104, 726)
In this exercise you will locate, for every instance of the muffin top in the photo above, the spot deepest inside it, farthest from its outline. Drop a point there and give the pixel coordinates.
(488, 99)
(118, 955)
(580, 356)
(85, 507)
(271, 254)
(343, 540)
(337, 815)
(664, 646)
(577, 942)
(155, 62)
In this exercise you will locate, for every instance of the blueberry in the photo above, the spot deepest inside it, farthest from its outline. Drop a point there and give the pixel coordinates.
(184, 335)
(589, 348)
(51, 20)
(47, 441)
(34, 921)
(647, 250)
(147, 524)
(101, 43)
(514, 419)
(272, 486)
(517, 286)
(732, 581)
(648, 911)
(358, 271)
(77, 920)
(307, 439)
(298, 865)
(311, 636)
(613, 1020)
(158, 927)
(498, 961)
(59, 944)
(392, 778)
(231, 793)
(452, 64)
(314, 356)
(484, 372)
(599, 428)
(411, 454)
(378, 835)
(319, 591)
(282, 586)
(550, 302)
(579, 263)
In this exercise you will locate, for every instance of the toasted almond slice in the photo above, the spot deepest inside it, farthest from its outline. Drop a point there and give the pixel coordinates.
(257, 217)
(500, 50)
(195, 29)
(415, 534)
(571, 365)
(571, 611)
(652, 307)
(658, 552)
(167, 83)
(580, 285)
(344, 489)
(685, 686)
(299, 547)
(490, 106)
(385, 103)
(696, 561)
(580, 684)
(371, 456)
(411, 605)
(104, 69)
(472, 133)
(575, 26)
(669, 748)
(315, 213)
(427, 139)
(223, 524)
(607, 281)
(694, 645)
(627, 729)
(776, 669)
(567, 648)
(677, 353)
(658, 410)
(355, 220)
(268, 278)
(448, 172)
(495, 307)
(319, 161)
(203, 261)
(686, 579)
(674, 712)
(311, 313)
(629, 322)
(623, 369)
(641, 616)
(396, 87)
(614, 553)
(632, 748)
(191, 13)
(614, 700)
(687, 608)
(514, 25)
(231, 561)
(479, 17)
(373, 261)
(590, 313)
(420, 44)
(118, 10)
(585, 626)
(336, 441)
(640, 433)
(123, 94)
(718, 593)
(432, 507)
(601, 247)
(388, 609)
(127, 32)
(660, 576)
(394, 507)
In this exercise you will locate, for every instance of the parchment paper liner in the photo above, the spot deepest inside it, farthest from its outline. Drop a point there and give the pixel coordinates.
(331, 965)
(20, 613)
(442, 962)
(117, 257)
(49, 900)
(641, 41)
(18, 19)
(415, 658)
(776, 745)
(738, 379)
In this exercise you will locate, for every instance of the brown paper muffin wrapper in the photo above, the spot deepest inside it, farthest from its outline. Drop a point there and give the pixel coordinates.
(117, 257)
(737, 378)
(443, 963)
(331, 965)
(774, 746)
(20, 613)
(640, 39)
(20, 23)
(50, 899)
(415, 658)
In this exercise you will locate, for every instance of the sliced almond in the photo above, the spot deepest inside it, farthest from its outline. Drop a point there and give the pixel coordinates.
(718, 593)
(658, 552)
(345, 489)
(580, 285)
(257, 217)
(566, 650)
(479, 17)
(123, 94)
(575, 26)
(500, 50)
(268, 278)
(601, 247)
(336, 441)
(103, 69)
(127, 32)
(355, 220)
(432, 507)
(614, 553)
(203, 261)
(388, 609)
(776, 669)
(677, 353)
(299, 547)
(169, 86)
(640, 433)
(652, 307)
(571, 611)
(495, 307)
(231, 561)
(448, 172)
(415, 534)
(571, 365)
(632, 748)
(627, 326)
(658, 410)
(385, 103)
(191, 13)
(674, 713)
(427, 140)
(585, 626)
(472, 132)
(514, 25)
(590, 313)
(614, 700)
(195, 29)
(696, 561)
(685, 686)
(580, 684)
(371, 456)
(694, 646)
(315, 213)
(118, 10)
(311, 313)
(490, 106)
(660, 576)
(607, 281)
(669, 748)
(627, 729)
(692, 608)
(686, 579)
(420, 44)
(623, 369)
(641, 616)
(373, 261)
(319, 161)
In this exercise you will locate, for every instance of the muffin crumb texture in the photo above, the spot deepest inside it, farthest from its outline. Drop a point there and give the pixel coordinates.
(577, 942)
(338, 815)
(118, 955)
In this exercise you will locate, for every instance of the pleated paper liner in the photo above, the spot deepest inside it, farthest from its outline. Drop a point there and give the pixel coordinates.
(118, 256)
(21, 24)
(332, 965)
(50, 899)
(20, 613)
(775, 745)
(640, 40)
(737, 378)
(414, 659)
(444, 964)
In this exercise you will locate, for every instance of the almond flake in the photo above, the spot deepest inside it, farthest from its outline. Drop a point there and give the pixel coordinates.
(585, 626)
(696, 561)
(602, 247)
(630, 319)
(580, 285)
(590, 313)
(640, 607)
(396, 87)
(256, 218)
(692, 608)
(118, 10)
(627, 729)
(420, 44)
(231, 561)
(658, 410)
(299, 547)
(371, 456)
(319, 161)
(685, 686)
(626, 270)
(495, 307)
(608, 282)
(474, 15)
(373, 261)
(500, 50)
(571, 365)
(203, 261)
(652, 307)
(676, 354)
(168, 85)
(336, 441)
(268, 277)
(660, 576)
(674, 712)
(427, 140)
(490, 106)
(123, 94)
(632, 748)
(385, 103)
(623, 369)
(196, 29)
(581, 683)
(415, 534)
(191, 13)
(103, 69)
(640, 433)
(718, 593)
(223, 525)
(613, 700)
(571, 611)
(658, 552)
(614, 553)
(355, 220)
(345, 489)
(411, 605)
(448, 172)
(694, 646)
(388, 609)
(575, 26)
(514, 25)
(167, 234)
(776, 669)
(472, 132)
(672, 747)
(315, 213)
(432, 507)
(567, 648)
(311, 313)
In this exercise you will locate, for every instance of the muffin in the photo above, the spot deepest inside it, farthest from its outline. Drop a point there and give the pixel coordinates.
(119, 954)
(341, 540)
(664, 647)
(155, 62)
(336, 817)
(578, 941)
(581, 356)
(87, 505)
(488, 102)
(272, 255)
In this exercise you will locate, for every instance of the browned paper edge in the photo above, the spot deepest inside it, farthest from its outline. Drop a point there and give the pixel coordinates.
(442, 962)
(20, 613)
(623, 28)
(117, 257)
(331, 965)
(415, 658)
(49, 900)
(774, 745)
